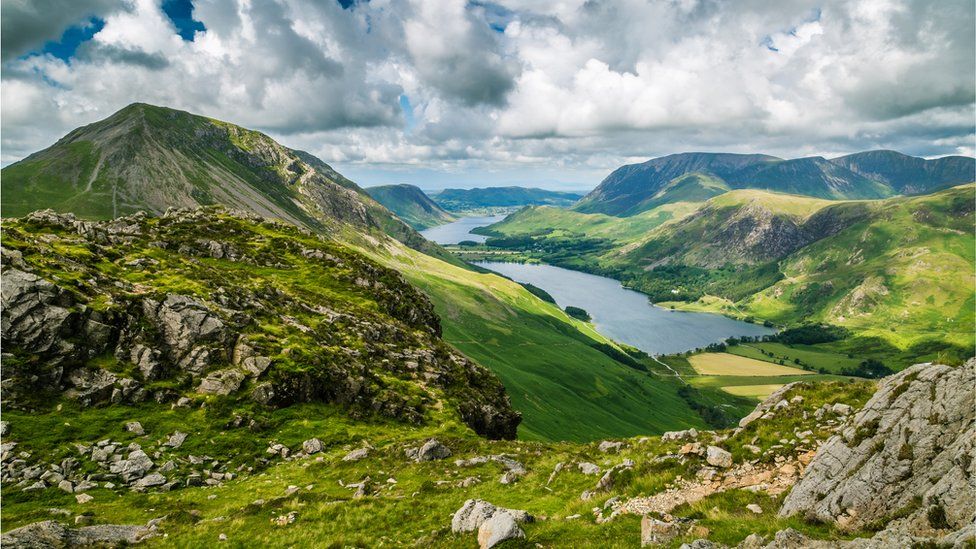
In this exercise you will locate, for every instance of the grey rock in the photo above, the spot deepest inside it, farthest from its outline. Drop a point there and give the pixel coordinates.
(432, 450)
(687, 434)
(66, 486)
(52, 534)
(656, 532)
(718, 457)
(136, 466)
(356, 454)
(768, 404)
(500, 527)
(913, 439)
(313, 446)
(610, 446)
(176, 439)
(221, 382)
(588, 468)
(4, 428)
(135, 428)
(152, 479)
(256, 365)
(475, 512)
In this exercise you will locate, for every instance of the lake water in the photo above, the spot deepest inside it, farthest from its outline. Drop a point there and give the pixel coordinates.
(455, 232)
(625, 315)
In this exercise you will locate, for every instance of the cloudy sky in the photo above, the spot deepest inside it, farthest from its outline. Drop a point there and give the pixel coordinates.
(552, 93)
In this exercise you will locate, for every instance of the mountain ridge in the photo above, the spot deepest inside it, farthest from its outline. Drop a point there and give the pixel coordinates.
(865, 175)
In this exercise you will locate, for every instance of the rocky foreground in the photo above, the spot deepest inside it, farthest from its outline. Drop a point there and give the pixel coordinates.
(895, 470)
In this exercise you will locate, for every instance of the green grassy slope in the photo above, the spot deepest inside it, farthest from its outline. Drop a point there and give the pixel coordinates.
(411, 205)
(565, 388)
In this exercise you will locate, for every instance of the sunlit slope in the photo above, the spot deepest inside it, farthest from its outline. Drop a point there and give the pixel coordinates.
(565, 388)
(905, 274)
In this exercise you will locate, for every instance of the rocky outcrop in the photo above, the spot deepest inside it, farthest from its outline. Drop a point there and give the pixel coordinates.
(201, 322)
(907, 460)
(52, 534)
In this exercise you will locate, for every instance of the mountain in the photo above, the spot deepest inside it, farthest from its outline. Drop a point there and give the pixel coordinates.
(908, 174)
(158, 158)
(871, 175)
(896, 273)
(459, 200)
(149, 158)
(411, 205)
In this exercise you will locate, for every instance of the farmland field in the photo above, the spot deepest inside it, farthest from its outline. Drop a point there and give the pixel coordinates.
(725, 364)
(808, 355)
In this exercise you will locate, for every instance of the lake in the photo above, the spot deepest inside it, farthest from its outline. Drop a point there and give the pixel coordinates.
(458, 231)
(625, 315)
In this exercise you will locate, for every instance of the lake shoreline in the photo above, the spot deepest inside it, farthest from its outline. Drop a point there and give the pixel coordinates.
(619, 316)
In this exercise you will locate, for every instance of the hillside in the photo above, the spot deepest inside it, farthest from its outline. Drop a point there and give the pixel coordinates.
(411, 205)
(148, 158)
(897, 273)
(325, 481)
(565, 377)
(869, 175)
(460, 200)
(205, 307)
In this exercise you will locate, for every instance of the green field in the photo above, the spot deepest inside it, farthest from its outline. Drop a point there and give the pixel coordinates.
(808, 355)
(725, 364)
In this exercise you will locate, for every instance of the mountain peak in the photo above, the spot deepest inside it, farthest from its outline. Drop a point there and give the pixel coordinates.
(149, 158)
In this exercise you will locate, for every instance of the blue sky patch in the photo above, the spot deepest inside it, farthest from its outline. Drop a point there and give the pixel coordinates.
(180, 12)
(65, 48)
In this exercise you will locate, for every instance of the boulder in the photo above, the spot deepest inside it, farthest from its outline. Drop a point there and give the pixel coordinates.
(132, 468)
(312, 446)
(908, 452)
(656, 532)
(221, 382)
(687, 434)
(356, 455)
(176, 439)
(52, 534)
(610, 446)
(153, 479)
(500, 527)
(718, 457)
(432, 450)
(135, 428)
(588, 468)
(475, 512)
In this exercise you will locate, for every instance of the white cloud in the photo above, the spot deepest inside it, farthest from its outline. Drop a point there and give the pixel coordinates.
(523, 86)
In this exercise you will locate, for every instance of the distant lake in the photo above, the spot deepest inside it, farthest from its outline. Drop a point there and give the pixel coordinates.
(625, 315)
(458, 231)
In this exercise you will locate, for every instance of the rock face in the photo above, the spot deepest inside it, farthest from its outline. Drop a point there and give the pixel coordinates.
(908, 453)
(54, 534)
(208, 330)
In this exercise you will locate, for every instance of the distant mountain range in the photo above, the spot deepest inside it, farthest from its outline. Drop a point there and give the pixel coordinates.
(635, 188)
(459, 200)
(411, 205)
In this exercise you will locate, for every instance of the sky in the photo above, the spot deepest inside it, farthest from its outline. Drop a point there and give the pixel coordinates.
(546, 93)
